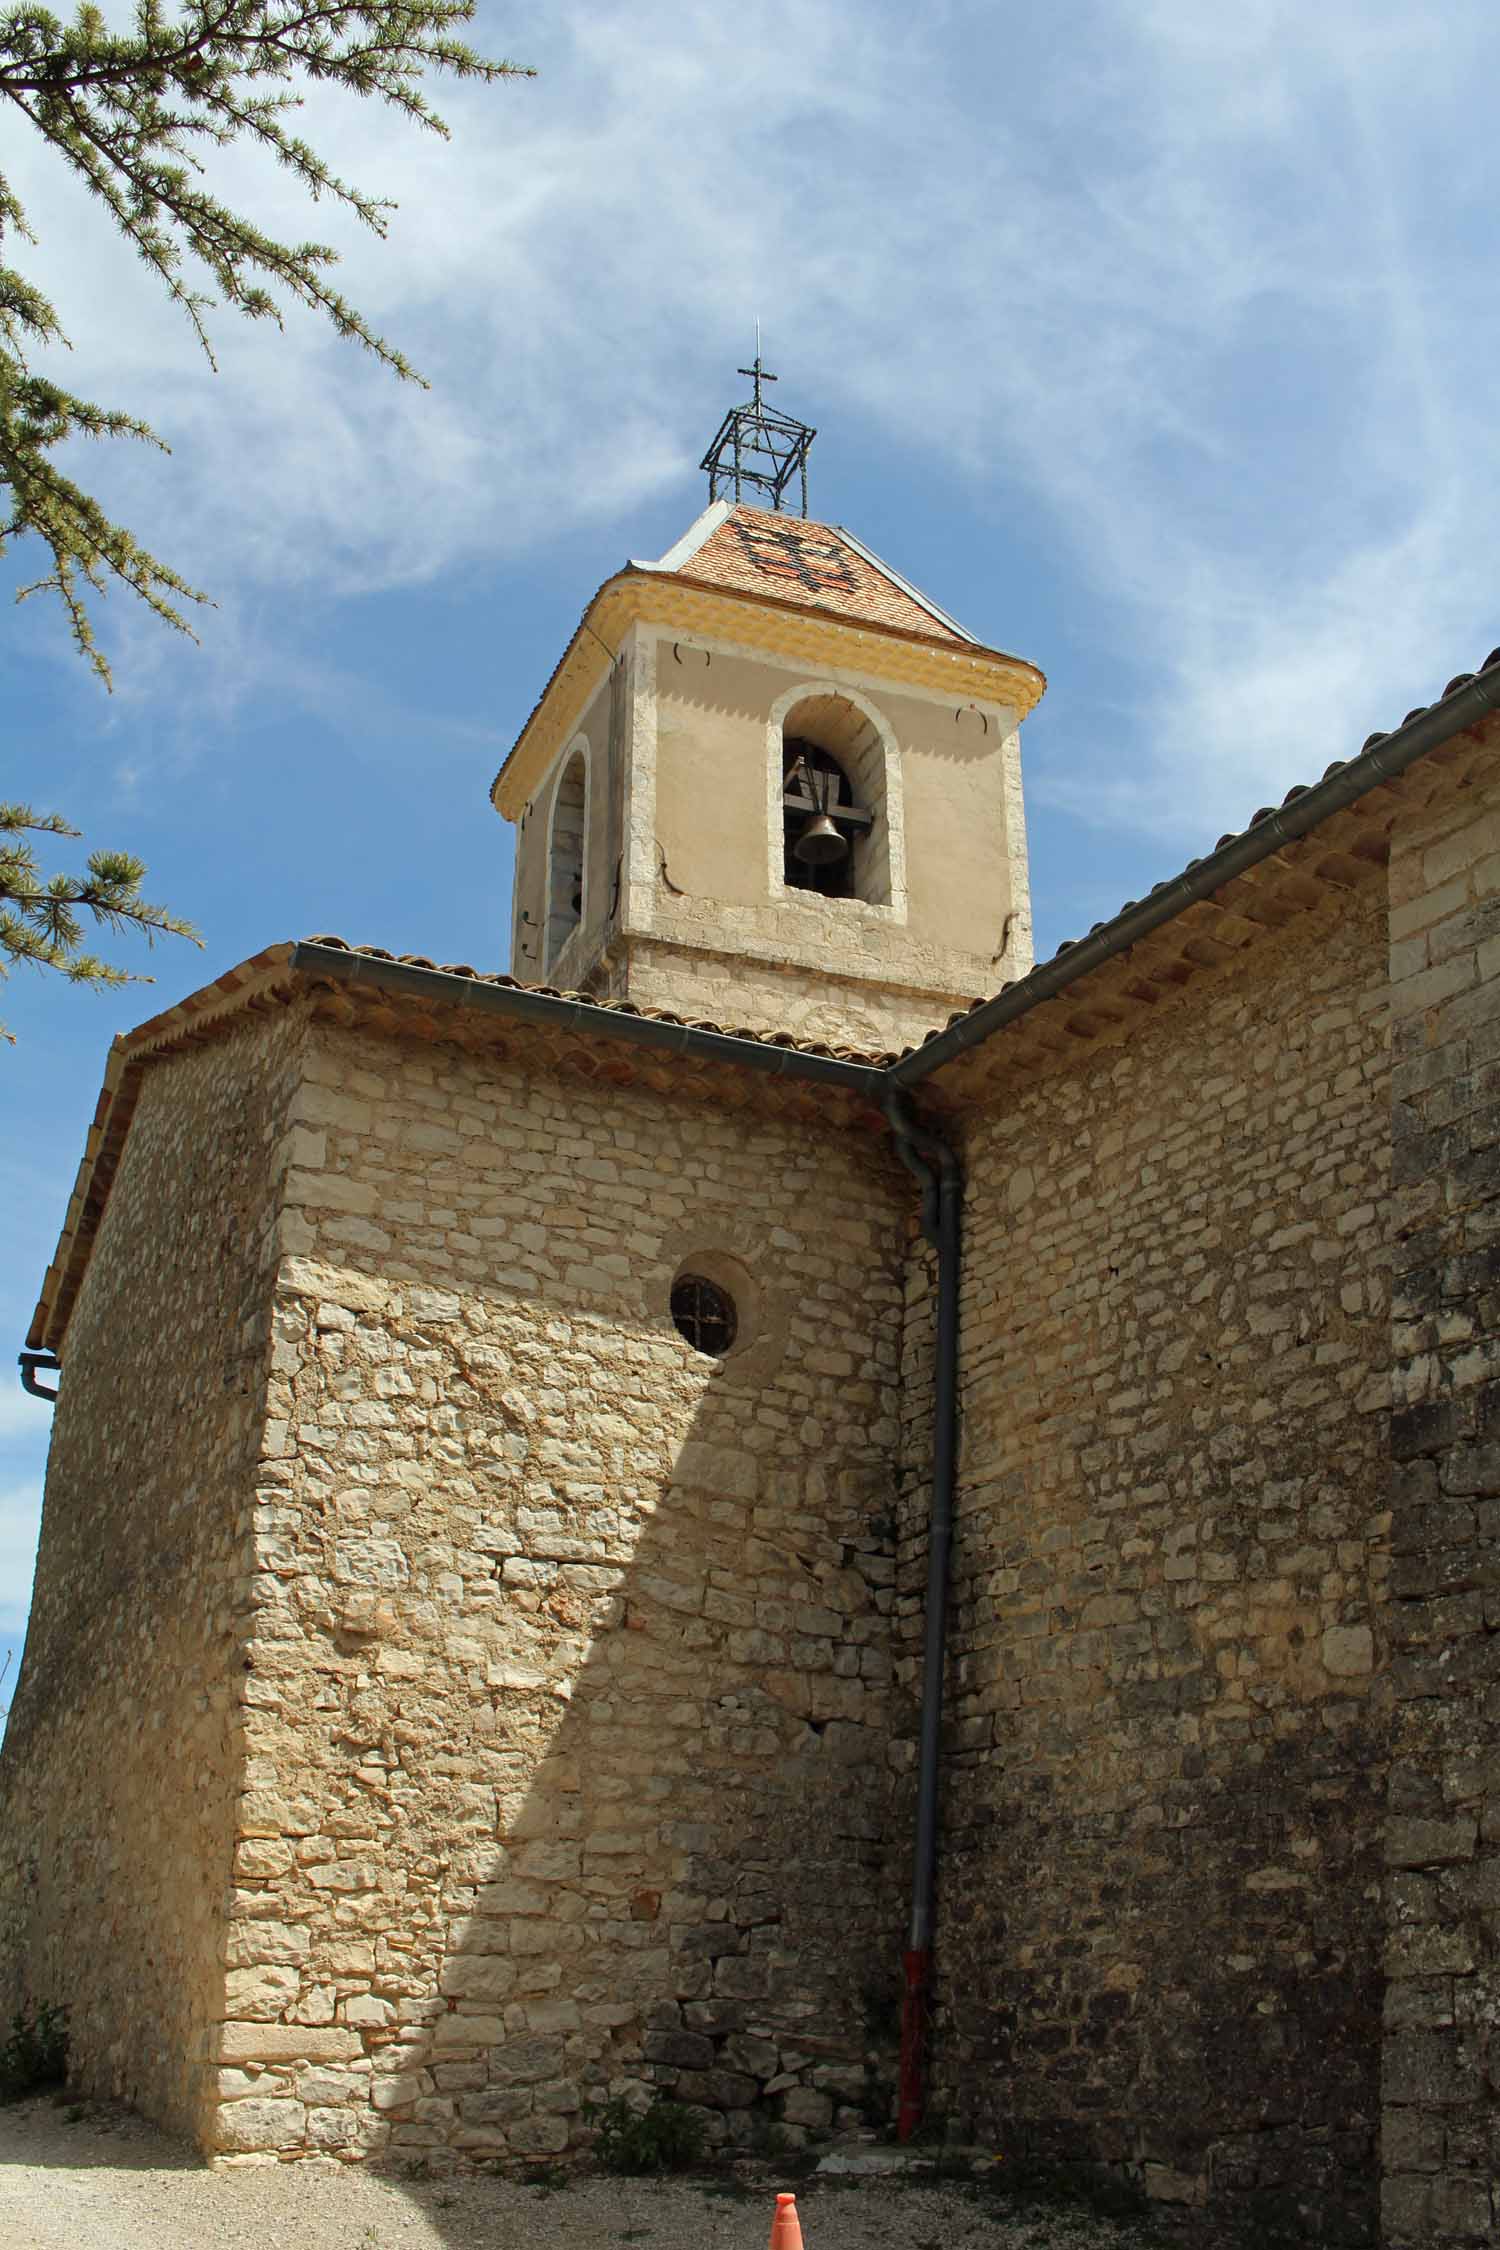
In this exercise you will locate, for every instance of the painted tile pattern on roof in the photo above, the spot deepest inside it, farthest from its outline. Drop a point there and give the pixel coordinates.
(756, 551)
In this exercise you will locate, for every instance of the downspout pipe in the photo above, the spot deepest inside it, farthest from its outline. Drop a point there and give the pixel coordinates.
(935, 1167)
(32, 1365)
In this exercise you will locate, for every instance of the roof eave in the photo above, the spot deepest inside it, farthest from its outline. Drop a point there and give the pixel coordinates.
(1385, 758)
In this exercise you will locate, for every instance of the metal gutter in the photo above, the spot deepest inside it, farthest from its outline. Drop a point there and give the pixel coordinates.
(1384, 758)
(443, 987)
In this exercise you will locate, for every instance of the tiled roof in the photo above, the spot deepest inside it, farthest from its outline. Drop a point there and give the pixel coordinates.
(606, 1009)
(757, 551)
(428, 999)
(1221, 901)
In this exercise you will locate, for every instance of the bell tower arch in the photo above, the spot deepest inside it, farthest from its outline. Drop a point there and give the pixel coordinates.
(820, 727)
(796, 783)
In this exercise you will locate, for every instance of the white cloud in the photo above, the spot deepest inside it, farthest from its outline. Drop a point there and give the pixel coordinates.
(20, 1518)
(1204, 284)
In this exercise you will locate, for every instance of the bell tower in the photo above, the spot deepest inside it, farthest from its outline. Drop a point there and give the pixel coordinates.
(770, 784)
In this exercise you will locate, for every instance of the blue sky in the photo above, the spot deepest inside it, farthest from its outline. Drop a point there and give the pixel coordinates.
(1156, 342)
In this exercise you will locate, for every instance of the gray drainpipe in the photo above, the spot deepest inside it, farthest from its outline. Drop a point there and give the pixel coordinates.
(33, 1364)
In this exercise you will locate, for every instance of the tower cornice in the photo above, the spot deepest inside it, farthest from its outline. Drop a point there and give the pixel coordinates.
(802, 632)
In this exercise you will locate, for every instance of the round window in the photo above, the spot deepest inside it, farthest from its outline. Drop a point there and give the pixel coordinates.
(704, 1314)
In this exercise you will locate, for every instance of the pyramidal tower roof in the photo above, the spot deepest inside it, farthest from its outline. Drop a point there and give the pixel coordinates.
(791, 558)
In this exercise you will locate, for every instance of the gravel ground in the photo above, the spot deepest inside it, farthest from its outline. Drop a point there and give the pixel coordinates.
(90, 2177)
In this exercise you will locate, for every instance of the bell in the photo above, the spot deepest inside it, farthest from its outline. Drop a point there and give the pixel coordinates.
(821, 843)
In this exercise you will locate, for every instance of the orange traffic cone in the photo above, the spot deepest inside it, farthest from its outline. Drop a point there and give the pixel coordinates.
(786, 2228)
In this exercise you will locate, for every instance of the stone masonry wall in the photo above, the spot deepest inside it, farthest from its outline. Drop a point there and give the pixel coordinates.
(121, 1762)
(568, 1700)
(1159, 1913)
(1441, 2147)
(723, 988)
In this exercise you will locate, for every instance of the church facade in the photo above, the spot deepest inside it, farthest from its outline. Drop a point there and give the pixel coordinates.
(494, 1641)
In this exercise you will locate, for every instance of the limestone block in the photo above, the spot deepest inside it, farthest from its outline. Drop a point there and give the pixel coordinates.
(332, 2129)
(262, 1858)
(367, 2012)
(497, 2105)
(273, 2123)
(539, 2136)
(758, 2057)
(528, 2061)
(478, 1976)
(468, 2031)
(685, 2050)
(286, 2042)
(802, 2106)
(398, 2091)
(261, 1994)
(260, 1944)
(322, 2088)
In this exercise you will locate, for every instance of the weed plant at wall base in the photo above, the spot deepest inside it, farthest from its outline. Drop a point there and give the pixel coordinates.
(34, 2055)
(666, 2136)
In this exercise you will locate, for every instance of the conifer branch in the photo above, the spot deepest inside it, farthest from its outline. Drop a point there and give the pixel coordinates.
(133, 113)
(40, 923)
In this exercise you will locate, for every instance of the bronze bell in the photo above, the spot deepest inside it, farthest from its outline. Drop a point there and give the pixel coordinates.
(821, 843)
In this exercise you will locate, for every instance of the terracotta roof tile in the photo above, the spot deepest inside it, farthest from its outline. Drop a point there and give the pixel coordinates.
(757, 551)
(606, 1008)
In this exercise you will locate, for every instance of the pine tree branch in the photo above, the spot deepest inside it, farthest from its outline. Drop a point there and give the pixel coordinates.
(39, 914)
(129, 112)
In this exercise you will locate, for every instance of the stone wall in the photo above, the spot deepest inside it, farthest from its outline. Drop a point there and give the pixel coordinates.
(1441, 2152)
(1159, 1913)
(568, 1701)
(121, 1763)
(748, 995)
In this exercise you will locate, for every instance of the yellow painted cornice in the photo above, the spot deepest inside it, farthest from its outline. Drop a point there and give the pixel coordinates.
(817, 638)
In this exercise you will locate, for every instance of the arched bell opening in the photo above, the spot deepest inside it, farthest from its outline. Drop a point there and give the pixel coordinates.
(834, 772)
(565, 855)
(817, 819)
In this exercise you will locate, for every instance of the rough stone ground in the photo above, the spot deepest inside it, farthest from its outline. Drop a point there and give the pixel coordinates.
(89, 2177)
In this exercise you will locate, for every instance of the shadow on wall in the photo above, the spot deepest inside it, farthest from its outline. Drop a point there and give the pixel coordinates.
(569, 1737)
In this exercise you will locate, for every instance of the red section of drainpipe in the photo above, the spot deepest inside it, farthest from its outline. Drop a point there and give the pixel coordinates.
(915, 1966)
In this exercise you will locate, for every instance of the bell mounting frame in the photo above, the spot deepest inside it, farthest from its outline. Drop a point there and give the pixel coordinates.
(758, 449)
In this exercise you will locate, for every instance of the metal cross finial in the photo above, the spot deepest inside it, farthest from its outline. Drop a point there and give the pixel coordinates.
(758, 447)
(757, 372)
(760, 375)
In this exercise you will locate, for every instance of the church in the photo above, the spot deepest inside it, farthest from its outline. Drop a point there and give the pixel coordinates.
(783, 1504)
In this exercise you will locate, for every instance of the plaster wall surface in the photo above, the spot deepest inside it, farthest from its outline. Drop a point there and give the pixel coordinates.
(121, 1764)
(1164, 1765)
(568, 1711)
(949, 793)
(685, 849)
(597, 731)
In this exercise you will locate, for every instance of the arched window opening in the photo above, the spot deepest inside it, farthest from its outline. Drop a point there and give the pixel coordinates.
(565, 856)
(819, 819)
(832, 757)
